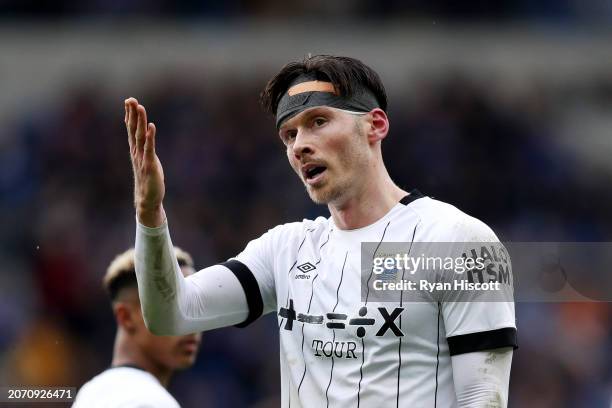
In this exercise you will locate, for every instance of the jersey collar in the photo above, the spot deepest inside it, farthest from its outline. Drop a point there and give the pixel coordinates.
(412, 196)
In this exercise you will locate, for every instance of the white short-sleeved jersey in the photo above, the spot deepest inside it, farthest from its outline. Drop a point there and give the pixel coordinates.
(336, 349)
(124, 387)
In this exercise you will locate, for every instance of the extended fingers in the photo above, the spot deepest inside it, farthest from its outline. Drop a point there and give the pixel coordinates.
(149, 146)
(131, 118)
(131, 139)
(141, 126)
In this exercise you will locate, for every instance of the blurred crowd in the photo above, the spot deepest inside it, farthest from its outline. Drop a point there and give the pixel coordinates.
(562, 11)
(66, 210)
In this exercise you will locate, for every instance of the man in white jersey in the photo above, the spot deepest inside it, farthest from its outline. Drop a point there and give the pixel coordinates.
(338, 348)
(143, 363)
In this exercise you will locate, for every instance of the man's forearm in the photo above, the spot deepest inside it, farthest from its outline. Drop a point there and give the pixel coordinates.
(175, 305)
(159, 277)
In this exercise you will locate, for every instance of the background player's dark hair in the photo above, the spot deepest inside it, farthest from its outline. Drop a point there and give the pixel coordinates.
(344, 72)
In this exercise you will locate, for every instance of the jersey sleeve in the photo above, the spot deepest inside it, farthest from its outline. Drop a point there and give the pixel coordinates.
(479, 319)
(254, 269)
(174, 305)
(481, 379)
(235, 292)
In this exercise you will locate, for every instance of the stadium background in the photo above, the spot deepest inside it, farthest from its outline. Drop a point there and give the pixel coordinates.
(501, 108)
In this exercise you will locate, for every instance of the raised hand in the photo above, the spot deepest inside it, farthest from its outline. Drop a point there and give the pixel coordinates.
(149, 186)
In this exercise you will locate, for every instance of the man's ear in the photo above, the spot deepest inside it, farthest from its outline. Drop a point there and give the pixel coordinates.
(378, 125)
(124, 316)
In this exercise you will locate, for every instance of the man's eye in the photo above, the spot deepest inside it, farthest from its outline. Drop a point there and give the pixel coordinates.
(289, 135)
(319, 121)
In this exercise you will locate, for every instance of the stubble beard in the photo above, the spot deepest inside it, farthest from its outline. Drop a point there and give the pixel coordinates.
(326, 194)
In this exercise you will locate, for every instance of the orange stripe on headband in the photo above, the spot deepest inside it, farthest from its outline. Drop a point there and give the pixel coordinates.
(312, 86)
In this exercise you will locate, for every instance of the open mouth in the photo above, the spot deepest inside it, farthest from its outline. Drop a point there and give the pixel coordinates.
(313, 173)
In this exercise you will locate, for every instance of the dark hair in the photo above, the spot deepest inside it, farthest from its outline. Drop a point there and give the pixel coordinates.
(344, 72)
(127, 279)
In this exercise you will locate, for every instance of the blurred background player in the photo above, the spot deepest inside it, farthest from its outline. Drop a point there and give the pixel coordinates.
(142, 362)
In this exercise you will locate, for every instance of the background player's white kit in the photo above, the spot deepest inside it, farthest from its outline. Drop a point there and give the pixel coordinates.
(125, 387)
(335, 348)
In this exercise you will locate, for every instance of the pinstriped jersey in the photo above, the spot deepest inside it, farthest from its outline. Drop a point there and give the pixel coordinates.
(338, 349)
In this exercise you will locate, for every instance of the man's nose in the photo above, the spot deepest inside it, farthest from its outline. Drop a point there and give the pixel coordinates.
(302, 144)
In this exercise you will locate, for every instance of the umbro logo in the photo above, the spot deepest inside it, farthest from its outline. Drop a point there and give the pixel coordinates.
(306, 267)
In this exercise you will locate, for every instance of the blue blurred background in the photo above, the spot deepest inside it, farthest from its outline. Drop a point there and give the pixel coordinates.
(501, 108)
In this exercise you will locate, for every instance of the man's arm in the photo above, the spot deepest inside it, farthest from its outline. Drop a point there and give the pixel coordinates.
(480, 326)
(482, 378)
(175, 305)
(171, 303)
